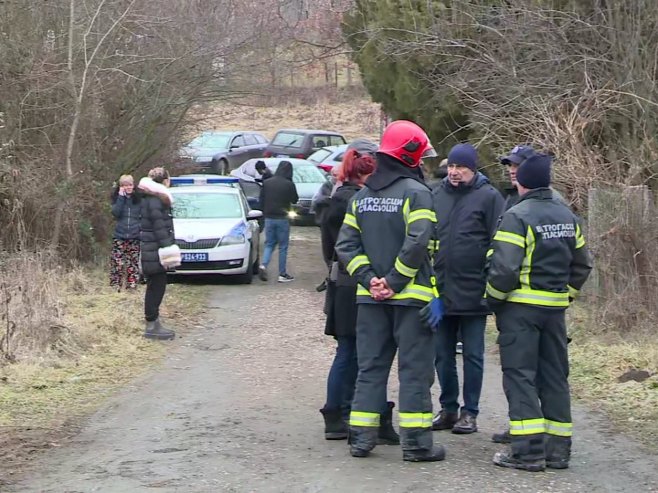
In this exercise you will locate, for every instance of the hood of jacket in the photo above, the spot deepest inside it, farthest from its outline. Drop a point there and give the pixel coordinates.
(478, 181)
(284, 170)
(389, 170)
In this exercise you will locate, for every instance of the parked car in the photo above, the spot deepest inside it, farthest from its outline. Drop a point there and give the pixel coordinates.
(215, 228)
(328, 157)
(223, 151)
(305, 175)
(301, 143)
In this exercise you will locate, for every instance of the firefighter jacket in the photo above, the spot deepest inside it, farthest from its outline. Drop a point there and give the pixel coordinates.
(539, 254)
(386, 233)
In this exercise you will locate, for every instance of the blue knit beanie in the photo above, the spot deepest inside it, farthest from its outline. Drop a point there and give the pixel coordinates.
(464, 155)
(535, 172)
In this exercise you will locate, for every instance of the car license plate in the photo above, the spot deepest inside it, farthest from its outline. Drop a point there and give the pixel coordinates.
(282, 155)
(194, 257)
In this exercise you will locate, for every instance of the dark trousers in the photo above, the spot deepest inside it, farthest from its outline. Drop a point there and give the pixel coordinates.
(535, 363)
(156, 285)
(380, 331)
(471, 329)
(342, 376)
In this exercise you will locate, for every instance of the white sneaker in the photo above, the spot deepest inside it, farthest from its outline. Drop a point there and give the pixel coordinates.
(286, 278)
(262, 272)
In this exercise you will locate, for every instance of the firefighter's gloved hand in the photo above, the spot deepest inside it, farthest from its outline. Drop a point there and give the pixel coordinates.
(432, 314)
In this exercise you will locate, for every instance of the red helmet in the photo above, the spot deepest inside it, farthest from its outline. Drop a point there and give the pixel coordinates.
(407, 142)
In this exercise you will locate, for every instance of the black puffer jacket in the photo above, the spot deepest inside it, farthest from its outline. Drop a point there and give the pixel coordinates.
(157, 232)
(467, 217)
(127, 211)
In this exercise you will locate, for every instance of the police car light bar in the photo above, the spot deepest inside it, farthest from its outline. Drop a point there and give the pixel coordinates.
(178, 181)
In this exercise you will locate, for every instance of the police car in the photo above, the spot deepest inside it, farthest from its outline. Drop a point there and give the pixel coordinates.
(215, 228)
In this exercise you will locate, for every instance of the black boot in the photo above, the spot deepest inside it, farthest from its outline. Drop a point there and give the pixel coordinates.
(362, 440)
(558, 452)
(417, 446)
(502, 437)
(444, 420)
(505, 458)
(526, 452)
(334, 425)
(155, 330)
(387, 434)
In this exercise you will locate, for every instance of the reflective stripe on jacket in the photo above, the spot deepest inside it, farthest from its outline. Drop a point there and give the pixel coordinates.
(386, 233)
(539, 254)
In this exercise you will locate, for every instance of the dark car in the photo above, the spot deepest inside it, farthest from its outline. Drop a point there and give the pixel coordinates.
(220, 152)
(301, 143)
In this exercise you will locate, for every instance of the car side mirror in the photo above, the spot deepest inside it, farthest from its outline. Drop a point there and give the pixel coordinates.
(254, 214)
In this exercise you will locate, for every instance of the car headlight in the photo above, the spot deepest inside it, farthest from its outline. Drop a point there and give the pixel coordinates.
(237, 235)
(232, 240)
(292, 214)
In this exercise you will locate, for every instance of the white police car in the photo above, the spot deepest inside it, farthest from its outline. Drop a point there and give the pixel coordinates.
(215, 229)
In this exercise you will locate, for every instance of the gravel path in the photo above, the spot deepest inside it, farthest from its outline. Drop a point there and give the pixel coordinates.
(234, 408)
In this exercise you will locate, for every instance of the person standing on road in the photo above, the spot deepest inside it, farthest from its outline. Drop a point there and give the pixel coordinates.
(126, 209)
(383, 244)
(276, 198)
(539, 264)
(157, 232)
(467, 209)
(341, 310)
(512, 161)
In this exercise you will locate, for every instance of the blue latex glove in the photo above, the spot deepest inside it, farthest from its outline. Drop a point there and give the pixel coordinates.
(432, 314)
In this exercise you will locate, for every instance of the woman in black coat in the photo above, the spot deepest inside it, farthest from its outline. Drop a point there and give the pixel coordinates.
(157, 231)
(341, 309)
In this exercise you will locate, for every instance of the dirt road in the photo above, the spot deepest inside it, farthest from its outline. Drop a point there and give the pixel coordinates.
(234, 408)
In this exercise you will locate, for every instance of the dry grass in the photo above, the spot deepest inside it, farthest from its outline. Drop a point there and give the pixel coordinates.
(95, 345)
(598, 360)
(353, 119)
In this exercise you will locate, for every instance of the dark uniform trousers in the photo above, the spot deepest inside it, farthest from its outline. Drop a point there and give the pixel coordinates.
(382, 329)
(535, 364)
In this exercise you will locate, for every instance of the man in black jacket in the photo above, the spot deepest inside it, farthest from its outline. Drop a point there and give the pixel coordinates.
(276, 198)
(467, 208)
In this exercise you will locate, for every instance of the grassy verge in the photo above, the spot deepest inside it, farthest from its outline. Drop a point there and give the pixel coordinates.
(598, 360)
(98, 348)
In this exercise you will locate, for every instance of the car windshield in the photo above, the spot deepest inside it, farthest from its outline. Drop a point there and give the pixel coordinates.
(288, 139)
(215, 141)
(319, 156)
(303, 173)
(207, 206)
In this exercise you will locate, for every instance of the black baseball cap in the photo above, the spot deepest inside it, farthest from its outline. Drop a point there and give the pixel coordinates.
(517, 155)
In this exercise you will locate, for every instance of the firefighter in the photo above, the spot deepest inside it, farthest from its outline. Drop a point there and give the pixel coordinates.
(539, 264)
(384, 244)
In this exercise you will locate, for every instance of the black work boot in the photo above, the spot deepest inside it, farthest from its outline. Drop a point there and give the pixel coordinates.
(155, 330)
(362, 440)
(558, 452)
(502, 437)
(418, 446)
(387, 434)
(466, 424)
(334, 425)
(444, 420)
(526, 452)
(505, 458)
